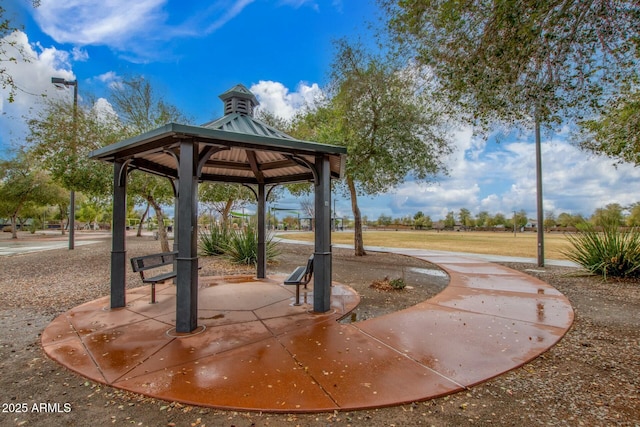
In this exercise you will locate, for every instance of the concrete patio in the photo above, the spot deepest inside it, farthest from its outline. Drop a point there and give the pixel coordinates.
(254, 350)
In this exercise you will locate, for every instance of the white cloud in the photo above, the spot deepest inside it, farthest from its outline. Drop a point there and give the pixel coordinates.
(32, 74)
(276, 98)
(86, 22)
(110, 79)
(138, 29)
(230, 12)
(488, 176)
(299, 3)
(79, 54)
(104, 109)
(502, 178)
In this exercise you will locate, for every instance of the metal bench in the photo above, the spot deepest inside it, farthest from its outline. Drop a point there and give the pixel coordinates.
(300, 276)
(149, 262)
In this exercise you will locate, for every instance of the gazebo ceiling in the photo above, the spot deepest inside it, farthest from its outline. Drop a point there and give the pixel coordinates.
(235, 148)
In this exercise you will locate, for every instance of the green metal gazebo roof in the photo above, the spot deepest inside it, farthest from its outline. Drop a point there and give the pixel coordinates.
(234, 148)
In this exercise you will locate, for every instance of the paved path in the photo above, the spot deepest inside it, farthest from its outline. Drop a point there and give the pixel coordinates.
(16, 247)
(254, 350)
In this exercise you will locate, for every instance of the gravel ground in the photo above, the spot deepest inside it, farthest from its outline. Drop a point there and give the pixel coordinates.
(590, 378)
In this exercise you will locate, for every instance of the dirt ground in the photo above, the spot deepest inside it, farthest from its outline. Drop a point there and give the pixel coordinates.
(590, 378)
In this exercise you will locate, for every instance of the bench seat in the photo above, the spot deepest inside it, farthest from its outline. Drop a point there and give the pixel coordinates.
(148, 262)
(300, 276)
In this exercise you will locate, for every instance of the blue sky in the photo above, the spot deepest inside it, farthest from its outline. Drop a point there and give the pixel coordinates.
(281, 49)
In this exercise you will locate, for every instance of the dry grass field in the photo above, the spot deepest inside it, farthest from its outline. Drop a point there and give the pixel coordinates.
(491, 243)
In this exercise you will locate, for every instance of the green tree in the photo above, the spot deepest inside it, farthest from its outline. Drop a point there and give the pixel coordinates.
(94, 210)
(141, 109)
(527, 63)
(464, 215)
(550, 220)
(633, 220)
(291, 222)
(521, 218)
(515, 61)
(224, 198)
(450, 220)
(62, 136)
(498, 219)
(611, 214)
(423, 222)
(384, 220)
(22, 186)
(616, 131)
(567, 220)
(381, 111)
(482, 219)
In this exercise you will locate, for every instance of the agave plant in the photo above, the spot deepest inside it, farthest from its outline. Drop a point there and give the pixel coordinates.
(610, 252)
(213, 240)
(242, 246)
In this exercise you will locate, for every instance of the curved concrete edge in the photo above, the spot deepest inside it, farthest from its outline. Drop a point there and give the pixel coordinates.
(489, 320)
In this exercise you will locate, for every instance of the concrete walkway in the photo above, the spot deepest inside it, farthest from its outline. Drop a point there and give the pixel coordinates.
(255, 351)
(45, 241)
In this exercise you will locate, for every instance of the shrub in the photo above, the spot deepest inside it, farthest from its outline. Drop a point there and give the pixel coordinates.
(610, 252)
(387, 284)
(239, 245)
(213, 241)
(398, 284)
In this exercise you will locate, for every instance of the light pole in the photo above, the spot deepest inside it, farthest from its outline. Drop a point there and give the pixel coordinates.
(540, 212)
(60, 82)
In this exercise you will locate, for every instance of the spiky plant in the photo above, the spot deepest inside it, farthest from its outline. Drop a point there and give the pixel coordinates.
(610, 253)
(242, 246)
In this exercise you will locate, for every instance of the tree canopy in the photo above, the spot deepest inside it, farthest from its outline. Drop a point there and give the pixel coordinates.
(514, 61)
(141, 109)
(23, 184)
(615, 132)
(381, 111)
(62, 137)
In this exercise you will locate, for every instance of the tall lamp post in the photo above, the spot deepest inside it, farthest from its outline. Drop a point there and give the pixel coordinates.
(59, 82)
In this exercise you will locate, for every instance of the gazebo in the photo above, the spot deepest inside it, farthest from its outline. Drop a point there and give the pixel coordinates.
(235, 148)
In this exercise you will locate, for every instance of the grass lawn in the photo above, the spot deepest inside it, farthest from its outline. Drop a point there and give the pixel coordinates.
(493, 243)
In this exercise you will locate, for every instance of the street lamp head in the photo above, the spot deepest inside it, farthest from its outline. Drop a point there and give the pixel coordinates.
(59, 82)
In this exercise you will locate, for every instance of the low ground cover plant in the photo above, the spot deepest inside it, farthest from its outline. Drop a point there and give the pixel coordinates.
(387, 284)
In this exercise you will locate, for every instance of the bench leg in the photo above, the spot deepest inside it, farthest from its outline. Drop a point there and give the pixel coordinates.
(297, 295)
(153, 293)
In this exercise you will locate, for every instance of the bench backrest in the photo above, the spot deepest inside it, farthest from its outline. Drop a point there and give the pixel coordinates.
(309, 272)
(152, 261)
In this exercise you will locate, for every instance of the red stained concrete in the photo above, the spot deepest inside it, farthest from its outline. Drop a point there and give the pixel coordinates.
(255, 350)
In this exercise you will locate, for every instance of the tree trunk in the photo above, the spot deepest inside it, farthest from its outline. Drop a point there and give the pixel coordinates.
(358, 242)
(144, 216)
(225, 212)
(62, 224)
(14, 227)
(162, 231)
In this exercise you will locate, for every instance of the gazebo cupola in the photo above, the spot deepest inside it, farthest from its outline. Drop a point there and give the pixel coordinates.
(239, 100)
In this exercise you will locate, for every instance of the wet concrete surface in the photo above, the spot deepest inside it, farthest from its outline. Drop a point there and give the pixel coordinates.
(255, 350)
